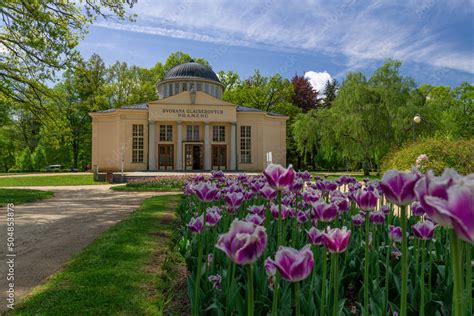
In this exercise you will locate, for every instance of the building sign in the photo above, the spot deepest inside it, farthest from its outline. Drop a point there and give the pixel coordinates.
(192, 113)
(209, 113)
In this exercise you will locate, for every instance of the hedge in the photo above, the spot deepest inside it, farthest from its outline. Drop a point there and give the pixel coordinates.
(442, 153)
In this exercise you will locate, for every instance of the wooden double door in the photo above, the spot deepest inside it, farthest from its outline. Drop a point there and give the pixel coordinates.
(165, 157)
(219, 157)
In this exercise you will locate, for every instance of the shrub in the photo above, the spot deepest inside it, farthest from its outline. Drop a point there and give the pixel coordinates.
(23, 161)
(39, 158)
(442, 153)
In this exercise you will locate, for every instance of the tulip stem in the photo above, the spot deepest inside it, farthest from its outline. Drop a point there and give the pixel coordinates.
(334, 272)
(279, 236)
(387, 277)
(297, 298)
(323, 283)
(250, 304)
(275, 295)
(403, 298)
(468, 276)
(457, 270)
(366, 266)
(198, 278)
(422, 278)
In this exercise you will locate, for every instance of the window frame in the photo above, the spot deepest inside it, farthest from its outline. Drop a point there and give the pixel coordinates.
(218, 133)
(194, 131)
(245, 144)
(166, 133)
(138, 144)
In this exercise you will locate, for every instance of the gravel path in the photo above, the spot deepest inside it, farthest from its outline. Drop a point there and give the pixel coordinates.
(49, 232)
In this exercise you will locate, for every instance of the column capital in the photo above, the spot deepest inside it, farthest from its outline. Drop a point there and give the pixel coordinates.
(233, 123)
(179, 122)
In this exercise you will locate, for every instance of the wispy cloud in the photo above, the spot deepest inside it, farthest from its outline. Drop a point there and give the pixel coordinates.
(416, 31)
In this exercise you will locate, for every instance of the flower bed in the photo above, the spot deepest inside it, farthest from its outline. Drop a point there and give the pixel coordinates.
(284, 243)
(164, 183)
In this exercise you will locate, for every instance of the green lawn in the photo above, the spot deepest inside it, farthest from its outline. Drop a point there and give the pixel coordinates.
(17, 196)
(55, 180)
(145, 189)
(128, 270)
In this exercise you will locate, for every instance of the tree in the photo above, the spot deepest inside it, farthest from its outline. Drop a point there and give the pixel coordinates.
(368, 117)
(39, 158)
(305, 97)
(39, 39)
(330, 92)
(23, 161)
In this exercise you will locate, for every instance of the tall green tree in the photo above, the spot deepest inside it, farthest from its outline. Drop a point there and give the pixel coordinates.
(39, 38)
(330, 92)
(368, 117)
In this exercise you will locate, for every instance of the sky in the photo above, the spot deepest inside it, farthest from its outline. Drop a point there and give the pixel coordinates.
(320, 39)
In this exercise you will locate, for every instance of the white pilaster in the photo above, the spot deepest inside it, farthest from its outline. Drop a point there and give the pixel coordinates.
(233, 146)
(179, 144)
(207, 147)
(151, 146)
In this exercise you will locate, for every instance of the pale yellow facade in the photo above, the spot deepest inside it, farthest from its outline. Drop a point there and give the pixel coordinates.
(187, 131)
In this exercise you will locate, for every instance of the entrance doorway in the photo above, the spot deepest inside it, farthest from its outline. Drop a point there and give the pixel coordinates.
(219, 157)
(165, 157)
(194, 156)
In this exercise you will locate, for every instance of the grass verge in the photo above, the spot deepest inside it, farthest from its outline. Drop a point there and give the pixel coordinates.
(17, 196)
(56, 180)
(144, 189)
(129, 270)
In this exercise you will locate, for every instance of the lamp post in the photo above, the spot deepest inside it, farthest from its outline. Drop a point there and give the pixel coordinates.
(416, 120)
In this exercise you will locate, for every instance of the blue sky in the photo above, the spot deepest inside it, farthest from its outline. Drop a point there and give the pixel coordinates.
(434, 39)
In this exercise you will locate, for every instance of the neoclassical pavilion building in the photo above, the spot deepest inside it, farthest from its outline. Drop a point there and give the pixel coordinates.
(189, 128)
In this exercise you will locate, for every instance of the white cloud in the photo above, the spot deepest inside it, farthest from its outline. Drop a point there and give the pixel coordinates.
(363, 34)
(318, 80)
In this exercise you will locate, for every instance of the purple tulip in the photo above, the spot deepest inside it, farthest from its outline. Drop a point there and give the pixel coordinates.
(358, 219)
(268, 193)
(429, 185)
(196, 224)
(248, 195)
(399, 187)
(342, 204)
(257, 209)
(213, 216)
(310, 196)
(366, 200)
(270, 267)
(315, 236)
(244, 242)
(377, 218)
(285, 211)
(205, 191)
(325, 212)
(294, 265)
(301, 217)
(417, 209)
(287, 200)
(297, 185)
(395, 233)
(216, 281)
(424, 230)
(210, 258)
(254, 218)
(305, 175)
(385, 209)
(234, 200)
(278, 177)
(336, 240)
(459, 208)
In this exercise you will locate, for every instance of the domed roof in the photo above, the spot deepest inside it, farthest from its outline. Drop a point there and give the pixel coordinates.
(190, 70)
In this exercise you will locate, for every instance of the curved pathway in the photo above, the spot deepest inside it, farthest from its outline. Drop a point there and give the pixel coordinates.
(49, 232)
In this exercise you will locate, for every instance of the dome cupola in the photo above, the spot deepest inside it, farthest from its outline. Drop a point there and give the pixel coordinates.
(190, 76)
